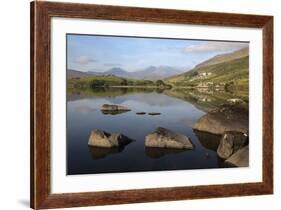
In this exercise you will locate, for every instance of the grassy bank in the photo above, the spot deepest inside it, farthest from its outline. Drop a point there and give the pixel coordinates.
(232, 75)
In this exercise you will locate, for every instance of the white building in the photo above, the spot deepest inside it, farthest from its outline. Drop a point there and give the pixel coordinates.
(205, 74)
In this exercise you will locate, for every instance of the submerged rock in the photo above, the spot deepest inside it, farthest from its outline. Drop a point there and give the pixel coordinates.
(141, 113)
(239, 158)
(225, 118)
(164, 138)
(230, 142)
(101, 138)
(114, 107)
(154, 113)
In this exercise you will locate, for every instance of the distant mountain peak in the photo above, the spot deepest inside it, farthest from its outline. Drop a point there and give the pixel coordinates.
(116, 70)
(150, 73)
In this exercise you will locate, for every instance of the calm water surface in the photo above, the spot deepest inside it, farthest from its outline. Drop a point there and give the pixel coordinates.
(84, 115)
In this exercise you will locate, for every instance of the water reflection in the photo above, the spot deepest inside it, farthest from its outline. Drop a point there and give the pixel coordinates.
(208, 140)
(203, 100)
(114, 112)
(154, 152)
(206, 101)
(102, 152)
(179, 109)
(85, 109)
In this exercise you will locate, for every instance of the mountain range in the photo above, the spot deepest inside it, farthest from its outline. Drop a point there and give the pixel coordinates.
(150, 73)
(228, 67)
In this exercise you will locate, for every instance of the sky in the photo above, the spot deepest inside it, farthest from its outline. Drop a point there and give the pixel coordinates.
(101, 53)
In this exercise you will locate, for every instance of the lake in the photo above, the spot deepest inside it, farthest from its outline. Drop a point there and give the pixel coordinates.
(179, 111)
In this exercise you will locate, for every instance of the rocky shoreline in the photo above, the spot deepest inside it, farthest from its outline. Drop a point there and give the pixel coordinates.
(224, 118)
(232, 123)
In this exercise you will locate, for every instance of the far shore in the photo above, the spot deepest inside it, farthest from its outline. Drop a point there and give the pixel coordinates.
(136, 86)
(146, 86)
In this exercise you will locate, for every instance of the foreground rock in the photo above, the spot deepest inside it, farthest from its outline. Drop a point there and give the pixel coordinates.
(231, 141)
(164, 138)
(101, 138)
(239, 158)
(114, 107)
(224, 118)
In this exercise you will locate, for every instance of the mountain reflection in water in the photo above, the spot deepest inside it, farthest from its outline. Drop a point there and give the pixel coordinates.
(179, 110)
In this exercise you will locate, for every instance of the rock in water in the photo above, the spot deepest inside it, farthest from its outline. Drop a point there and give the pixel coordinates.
(224, 118)
(141, 113)
(154, 113)
(101, 138)
(164, 138)
(230, 142)
(239, 158)
(114, 107)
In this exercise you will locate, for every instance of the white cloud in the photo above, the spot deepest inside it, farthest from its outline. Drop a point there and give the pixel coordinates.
(214, 47)
(84, 60)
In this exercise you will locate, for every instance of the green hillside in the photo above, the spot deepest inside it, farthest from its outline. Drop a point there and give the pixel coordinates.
(225, 57)
(230, 73)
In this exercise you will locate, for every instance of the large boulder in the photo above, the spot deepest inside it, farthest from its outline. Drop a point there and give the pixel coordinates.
(225, 118)
(114, 107)
(101, 138)
(239, 158)
(231, 141)
(164, 138)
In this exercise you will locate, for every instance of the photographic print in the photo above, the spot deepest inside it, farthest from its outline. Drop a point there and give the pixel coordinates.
(151, 104)
(166, 97)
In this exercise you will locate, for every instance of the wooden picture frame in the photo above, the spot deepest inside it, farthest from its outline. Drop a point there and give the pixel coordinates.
(41, 14)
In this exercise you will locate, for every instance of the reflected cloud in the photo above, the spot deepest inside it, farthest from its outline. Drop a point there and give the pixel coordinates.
(85, 109)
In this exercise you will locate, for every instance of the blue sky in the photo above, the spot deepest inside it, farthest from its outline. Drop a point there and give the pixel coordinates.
(100, 53)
